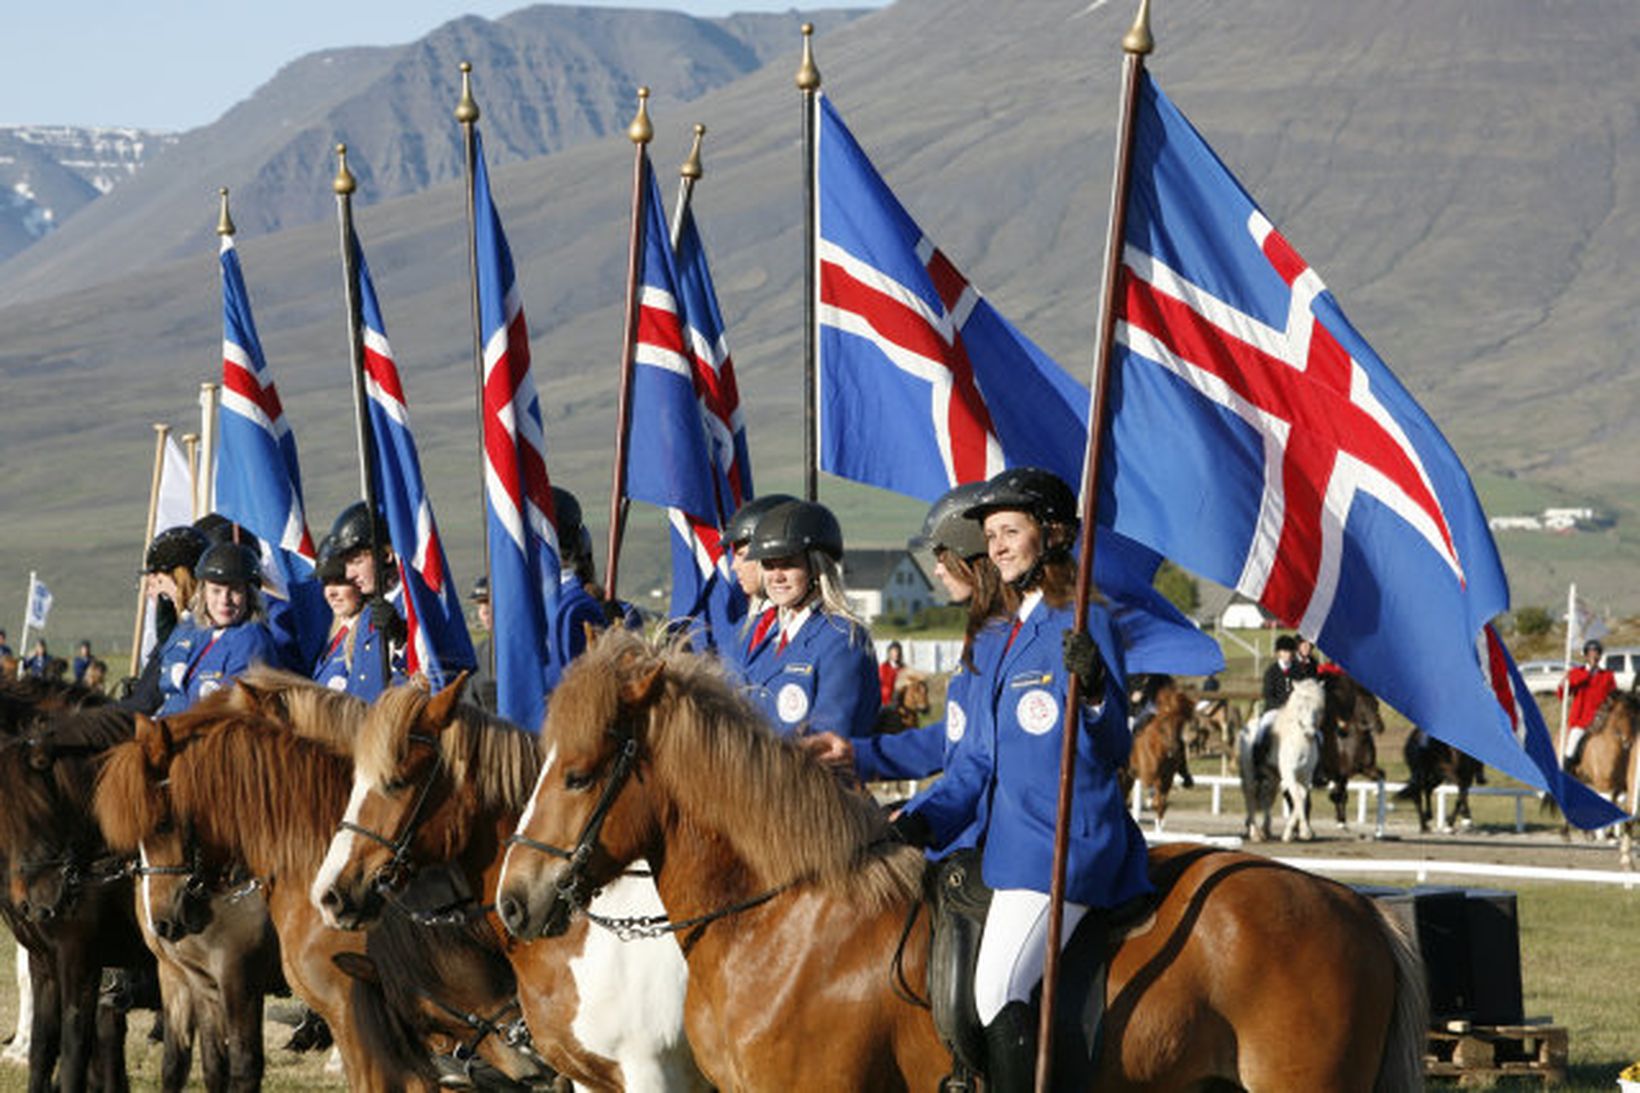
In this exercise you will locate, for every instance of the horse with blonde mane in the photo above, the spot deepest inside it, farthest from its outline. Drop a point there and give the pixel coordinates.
(803, 928)
(1284, 762)
(440, 781)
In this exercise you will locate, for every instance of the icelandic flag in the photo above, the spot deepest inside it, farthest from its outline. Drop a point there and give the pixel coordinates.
(438, 645)
(688, 443)
(924, 386)
(1258, 440)
(258, 478)
(524, 569)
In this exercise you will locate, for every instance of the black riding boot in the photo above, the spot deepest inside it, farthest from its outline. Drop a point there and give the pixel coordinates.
(1010, 1050)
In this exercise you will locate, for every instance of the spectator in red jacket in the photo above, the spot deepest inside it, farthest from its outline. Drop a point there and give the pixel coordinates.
(1588, 685)
(889, 671)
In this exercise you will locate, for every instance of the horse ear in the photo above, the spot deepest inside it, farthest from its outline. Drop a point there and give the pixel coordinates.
(248, 696)
(153, 740)
(644, 688)
(357, 966)
(591, 632)
(436, 715)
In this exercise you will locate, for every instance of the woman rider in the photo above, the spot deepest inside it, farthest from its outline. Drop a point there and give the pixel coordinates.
(351, 660)
(960, 564)
(809, 664)
(231, 636)
(168, 579)
(1006, 771)
(732, 634)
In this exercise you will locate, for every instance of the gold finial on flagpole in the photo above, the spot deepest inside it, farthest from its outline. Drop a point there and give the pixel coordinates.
(1138, 40)
(808, 75)
(640, 131)
(224, 222)
(691, 167)
(344, 182)
(467, 108)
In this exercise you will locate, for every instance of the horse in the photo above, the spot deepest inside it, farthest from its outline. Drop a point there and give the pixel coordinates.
(1606, 760)
(1216, 717)
(802, 923)
(1159, 752)
(68, 900)
(209, 930)
(602, 1012)
(1431, 763)
(1286, 759)
(911, 703)
(1350, 724)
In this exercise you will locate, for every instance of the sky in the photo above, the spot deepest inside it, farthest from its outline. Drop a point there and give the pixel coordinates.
(177, 64)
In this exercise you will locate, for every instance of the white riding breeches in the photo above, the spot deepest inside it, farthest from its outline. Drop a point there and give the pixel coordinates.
(1572, 738)
(1014, 948)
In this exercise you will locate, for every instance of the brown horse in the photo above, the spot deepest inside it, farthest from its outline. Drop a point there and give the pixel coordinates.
(791, 903)
(1350, 725)
(68, 898)
(1606, 761)
(1159, 750)
(210, 931)
(1430, 764)
(911, 703)
(464, 779)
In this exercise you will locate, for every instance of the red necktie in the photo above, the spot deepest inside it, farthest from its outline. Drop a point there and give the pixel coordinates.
(1012, 634)
(761, 630)
(781, 648)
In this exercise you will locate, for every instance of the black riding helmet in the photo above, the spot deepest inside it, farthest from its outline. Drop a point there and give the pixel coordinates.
(794, 528)
(1032, 490)
(331, 564)
(219, 529)
(351, 531)
(173, 547)
(741, 525)
(1594, 643)
(567, 522)
(949, 527)
(230, 563)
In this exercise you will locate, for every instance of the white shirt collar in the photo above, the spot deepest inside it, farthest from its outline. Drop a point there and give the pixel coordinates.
(792, 621)
(1028, 604)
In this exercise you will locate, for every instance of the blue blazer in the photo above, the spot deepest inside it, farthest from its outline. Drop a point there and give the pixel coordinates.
(576, 610)
(1005, 771)
(824, 681)
(364, 679)
(206, 660)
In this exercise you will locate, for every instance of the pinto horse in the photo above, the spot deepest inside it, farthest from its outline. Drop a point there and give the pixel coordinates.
(1160, 752)
(791, 903)
(68, 899)
(1350, 725)
(209, 930)
(448, 782)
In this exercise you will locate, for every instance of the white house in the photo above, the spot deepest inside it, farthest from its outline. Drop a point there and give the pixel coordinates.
(886, 582)
(1243, 616)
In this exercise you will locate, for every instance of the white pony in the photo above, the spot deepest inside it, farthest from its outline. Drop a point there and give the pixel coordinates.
(1289, 761)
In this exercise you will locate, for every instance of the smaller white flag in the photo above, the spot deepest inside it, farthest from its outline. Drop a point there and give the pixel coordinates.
(39, 603)
(176, 502)
(1584, 623)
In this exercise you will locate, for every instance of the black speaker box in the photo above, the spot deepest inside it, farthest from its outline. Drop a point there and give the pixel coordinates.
(1470, 942)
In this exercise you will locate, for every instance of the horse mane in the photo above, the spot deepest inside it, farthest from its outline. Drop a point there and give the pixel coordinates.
(275, 797)
(496, 758)
(783, 813)
(44, 805)
(305, 707)
(21, 699)
(1172, 702)
(129, 802)
(90, 728)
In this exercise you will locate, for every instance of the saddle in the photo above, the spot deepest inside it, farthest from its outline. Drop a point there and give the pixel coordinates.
(958, 901)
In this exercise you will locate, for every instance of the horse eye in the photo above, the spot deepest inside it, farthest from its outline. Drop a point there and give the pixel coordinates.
(394, 785)
(165, 826)
(575, 780)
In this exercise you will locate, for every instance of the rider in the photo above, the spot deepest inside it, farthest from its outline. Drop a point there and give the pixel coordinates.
(737, 536)
(481, 687)
(351, 660)
(230, 636)
(809, 664)
(168, 579)
(1005, 772)
(578, 605)
(1589, 686)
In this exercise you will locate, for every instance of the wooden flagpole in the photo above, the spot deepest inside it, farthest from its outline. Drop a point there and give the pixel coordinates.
(467, 114)
(344, 186)
(639, 133)
(160, 433)
(808, 83)
(202, 464)
(689, 174)
(190, 448)
(1136, 44)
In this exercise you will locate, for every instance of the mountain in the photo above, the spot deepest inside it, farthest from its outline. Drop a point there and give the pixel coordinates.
(50, 172)
(549, 76)
(1475, 211)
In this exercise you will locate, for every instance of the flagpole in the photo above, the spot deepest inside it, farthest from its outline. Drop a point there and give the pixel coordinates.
(639, 133)
(689, 174)
(28, 615)
(203, 465)
(1566, 671)
(467, 114)
(160, 433)
(344, 185)
(190, 447)
(808, 83)
(1135, 45)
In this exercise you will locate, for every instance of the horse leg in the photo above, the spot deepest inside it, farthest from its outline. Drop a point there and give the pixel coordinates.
(177, 999)
(80, 981)
(111, 1029)
(17, 1049)
(241, 1001)
(45, 1036)
(1339, 794)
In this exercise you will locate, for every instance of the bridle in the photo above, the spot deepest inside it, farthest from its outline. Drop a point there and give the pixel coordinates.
(395, 871)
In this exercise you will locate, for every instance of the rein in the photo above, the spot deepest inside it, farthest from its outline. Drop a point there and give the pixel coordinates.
(400, 865)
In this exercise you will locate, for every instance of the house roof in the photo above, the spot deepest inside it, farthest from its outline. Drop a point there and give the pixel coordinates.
(869, 568)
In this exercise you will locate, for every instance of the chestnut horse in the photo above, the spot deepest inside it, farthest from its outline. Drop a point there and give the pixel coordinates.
(1607, 761)
(449, 782)
(210, 931)
(1159, 751)
(791, 903)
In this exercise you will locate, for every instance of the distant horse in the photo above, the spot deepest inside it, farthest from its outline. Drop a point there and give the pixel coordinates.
(1159, 751)
(209, 929)
(911, 703)
(1216, 717)
(1350, 725)
(68, 900)
(791, 904)
(1286, 761)
(1432, 763)
(1606, 762)
(604, 1012)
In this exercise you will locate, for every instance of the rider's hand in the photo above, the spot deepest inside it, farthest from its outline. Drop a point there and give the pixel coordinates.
(829, 748)
(1083, 661)
(387, 621)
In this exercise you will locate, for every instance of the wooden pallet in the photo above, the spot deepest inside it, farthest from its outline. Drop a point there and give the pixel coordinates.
(1478, 1055)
